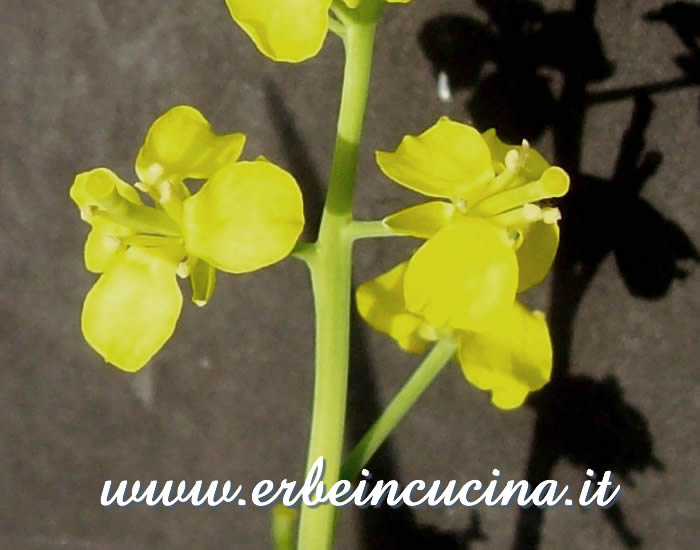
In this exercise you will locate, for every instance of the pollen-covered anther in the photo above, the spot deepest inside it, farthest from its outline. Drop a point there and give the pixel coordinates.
(428, 332)
(511, 160)
(532, 212)
(87, 212)
(551, 215)
(165, 189)
(112, 243)
(461, 205)
(153, 173)
(183, 270)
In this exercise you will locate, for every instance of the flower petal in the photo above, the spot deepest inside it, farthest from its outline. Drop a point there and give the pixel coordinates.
(249, 215)
(381, 303)
(182, 144)
(103, 243)
(283, 30)
(463, 277)
(86, 183)
(423, 220)
(511, 361)
(536, 254)
(131, 311)
(448, 160)
(535, 163)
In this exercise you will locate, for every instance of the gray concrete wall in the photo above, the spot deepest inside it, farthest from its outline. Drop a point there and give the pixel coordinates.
(229, 396)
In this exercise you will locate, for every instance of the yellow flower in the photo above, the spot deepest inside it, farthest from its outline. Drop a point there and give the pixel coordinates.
(491, 240)
(288, 30)
(509, 360)
(246, 215)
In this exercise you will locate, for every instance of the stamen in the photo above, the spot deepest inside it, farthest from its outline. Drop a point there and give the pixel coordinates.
(553, 183)
(511, 160)
(428, 332)
(112, 243)
(183, 270)
(165, 189)
(87, 212)
(551, 215)
(531, 212)
(461, 205)
(519, 217)
(154, 172)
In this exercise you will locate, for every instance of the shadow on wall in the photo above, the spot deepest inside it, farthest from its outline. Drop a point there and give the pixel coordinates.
(586, 421)
(581, 419)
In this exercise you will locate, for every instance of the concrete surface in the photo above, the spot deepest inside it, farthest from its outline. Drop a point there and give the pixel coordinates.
(606, 90)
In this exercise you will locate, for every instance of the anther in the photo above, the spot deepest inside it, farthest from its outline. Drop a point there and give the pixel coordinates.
(461, 205)
(532, 212)
(166, 191)
(154, 172)
(112, 243)
(511, 160)
(183, 270)
(551, 215)
(87, 212)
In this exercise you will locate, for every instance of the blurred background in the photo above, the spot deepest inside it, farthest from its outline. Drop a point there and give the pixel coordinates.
(608, 90)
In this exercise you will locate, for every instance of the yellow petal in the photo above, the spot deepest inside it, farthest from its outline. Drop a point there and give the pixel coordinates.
(535, 163)
(448, 160)
(537, 253)
(510, 361)
(131, 311)
(247, 216)
(283, 30)
(423, 220)
(464, 277)
(86, 184)
(103, 243)
(182, 144)
(381, 303)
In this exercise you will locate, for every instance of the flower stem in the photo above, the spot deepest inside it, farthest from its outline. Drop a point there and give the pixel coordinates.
(419, 381)
(370, 230)
(330, 266)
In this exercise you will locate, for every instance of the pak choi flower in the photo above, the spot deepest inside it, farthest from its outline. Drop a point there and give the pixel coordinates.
(288, 30)
(491, 239)
(246, 215)
(509, 360)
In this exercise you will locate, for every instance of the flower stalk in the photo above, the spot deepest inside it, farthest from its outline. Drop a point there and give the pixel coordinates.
(330, 264)
(402, 402)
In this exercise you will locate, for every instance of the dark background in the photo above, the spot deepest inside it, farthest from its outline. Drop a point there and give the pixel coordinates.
(608, 91)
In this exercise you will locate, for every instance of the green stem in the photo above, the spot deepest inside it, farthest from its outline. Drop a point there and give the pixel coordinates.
(330, 266)
(419, 381)
(370, 230)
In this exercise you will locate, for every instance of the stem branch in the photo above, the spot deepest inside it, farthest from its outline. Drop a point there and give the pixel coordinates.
(419, 381)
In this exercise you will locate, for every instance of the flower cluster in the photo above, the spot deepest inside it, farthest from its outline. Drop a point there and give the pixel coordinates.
(489, 241)
(245, 216)
(289, 30)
